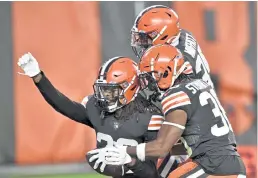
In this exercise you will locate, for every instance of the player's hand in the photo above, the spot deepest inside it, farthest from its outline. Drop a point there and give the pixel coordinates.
(29, 65)
(118, 156)
(99, 157)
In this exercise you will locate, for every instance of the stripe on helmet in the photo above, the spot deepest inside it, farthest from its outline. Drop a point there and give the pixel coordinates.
(104, 69)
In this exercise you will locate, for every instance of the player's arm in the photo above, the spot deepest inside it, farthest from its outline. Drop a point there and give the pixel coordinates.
(153, 128)
(175, 108)
(61, 103)
(170, 131)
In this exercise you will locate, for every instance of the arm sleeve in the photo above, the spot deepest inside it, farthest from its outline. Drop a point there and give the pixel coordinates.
(62, 104)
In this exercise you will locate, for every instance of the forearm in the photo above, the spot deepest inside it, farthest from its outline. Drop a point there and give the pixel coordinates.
(151, 149)
(157, 148)
(58, 101)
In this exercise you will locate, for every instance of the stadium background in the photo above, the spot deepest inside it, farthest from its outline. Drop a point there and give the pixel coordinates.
(70, 41)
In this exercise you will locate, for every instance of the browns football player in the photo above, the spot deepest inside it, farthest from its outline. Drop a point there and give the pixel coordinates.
(115, 111)
(192, 113)
(161, 25)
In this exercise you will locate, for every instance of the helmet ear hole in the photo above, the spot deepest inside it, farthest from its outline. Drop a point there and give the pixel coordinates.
(165, 74)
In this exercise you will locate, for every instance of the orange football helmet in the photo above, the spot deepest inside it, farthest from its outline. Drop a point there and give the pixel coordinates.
(154, 25)
(117, 83)
(160, 66)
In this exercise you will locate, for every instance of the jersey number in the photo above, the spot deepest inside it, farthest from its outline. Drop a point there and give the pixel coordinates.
(120, 141)
(201, 62)
(217, 111)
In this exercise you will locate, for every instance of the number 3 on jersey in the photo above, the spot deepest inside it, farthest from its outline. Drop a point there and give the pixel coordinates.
(218, 112)
(111, 142)
(201, 62)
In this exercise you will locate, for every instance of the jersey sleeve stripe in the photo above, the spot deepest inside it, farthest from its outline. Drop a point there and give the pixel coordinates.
(155, 125)
(178, 99)
(175, 105)
(154, 128)
(157, 119)
(156, 122)
(175, 102)
(157, 116)
(173, 96)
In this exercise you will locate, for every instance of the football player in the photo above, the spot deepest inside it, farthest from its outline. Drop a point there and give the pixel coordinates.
(192, 113)
(160, 25)
(116, 113)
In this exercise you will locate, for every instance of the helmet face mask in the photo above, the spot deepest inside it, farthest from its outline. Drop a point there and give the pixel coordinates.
(149, 84)
(140, 42)
(109, 96)
(154, 25)
(160, 66)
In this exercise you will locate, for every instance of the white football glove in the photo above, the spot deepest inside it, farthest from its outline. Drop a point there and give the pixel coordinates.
(112, 156)
(29, 65)
(99, 156)
(117, 155)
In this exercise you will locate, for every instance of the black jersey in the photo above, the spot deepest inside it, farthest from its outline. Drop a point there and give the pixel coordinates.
(139, 126)
(207, 129)
(192, 53)
(136, 128)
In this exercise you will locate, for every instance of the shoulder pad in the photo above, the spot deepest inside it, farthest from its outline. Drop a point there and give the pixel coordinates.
(173, 98)
(155, 122)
